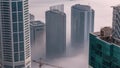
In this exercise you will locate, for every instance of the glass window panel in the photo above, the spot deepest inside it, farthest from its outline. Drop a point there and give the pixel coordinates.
(14, 17)
(15, 37)
(14, 27)
(16, 57)
(14, 6)
(21, 37)
(19, 6)
(20, 27)
(20, 16)
(15, 47)
(21, 56)
(21, 45)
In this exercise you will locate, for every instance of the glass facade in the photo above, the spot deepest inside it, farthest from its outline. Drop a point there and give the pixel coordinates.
(103, 54)
(55, 33)
(82, 23)
(14, 34)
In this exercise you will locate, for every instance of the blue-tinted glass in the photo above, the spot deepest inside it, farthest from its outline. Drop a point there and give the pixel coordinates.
(20, 27)
(21, 45)
(20, 16)
(21, 56)
(14, 6)
(19, 6)
(14, 17)
(15, 47)
(21, 37)
(14, 27)
(15, 37)
(20, 66)
(6, 66)
(16, 57)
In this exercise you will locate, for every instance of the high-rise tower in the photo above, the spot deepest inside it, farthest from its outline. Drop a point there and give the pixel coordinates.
(36, 27)
(15, 51)
(82, 23)
(55, 33)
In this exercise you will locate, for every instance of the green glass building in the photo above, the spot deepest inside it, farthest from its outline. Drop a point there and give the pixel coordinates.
(103, 54)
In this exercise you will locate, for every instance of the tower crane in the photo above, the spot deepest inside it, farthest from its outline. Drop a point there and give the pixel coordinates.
(41, 63)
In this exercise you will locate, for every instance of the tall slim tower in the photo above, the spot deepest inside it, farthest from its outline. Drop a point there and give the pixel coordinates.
(36, 27)
(15, 51)
(116, 22)
(82, 23)
(55, 33)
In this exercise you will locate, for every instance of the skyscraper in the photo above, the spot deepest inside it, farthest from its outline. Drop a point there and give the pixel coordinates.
(15, 51)
(82, 23)
(104, 51)
(35, 29)
(55, 33)
(116, 22)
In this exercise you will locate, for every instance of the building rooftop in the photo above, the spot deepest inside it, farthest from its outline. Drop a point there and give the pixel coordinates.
(82, 7)
(37, 23)
(56, 11)
(59, 7)
(106, 35)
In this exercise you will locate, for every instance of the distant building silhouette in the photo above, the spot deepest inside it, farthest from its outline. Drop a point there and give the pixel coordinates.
(82, 23)
(55, 33)
(116, 22)
(35, 30)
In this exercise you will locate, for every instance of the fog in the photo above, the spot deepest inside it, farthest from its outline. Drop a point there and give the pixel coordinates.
(75, 58)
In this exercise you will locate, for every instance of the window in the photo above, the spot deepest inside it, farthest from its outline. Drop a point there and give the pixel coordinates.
(21, 45)
(21, 56)
(20, 16)
(20, 27)
(21, 37)
(99, 46)
(15, 47)
(14, 17)
(19, 6)
(14, 6)
(14, 27)
(16, 57)
(15, 37)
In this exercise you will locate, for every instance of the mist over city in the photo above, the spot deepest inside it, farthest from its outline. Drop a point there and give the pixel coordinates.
(75, 58)
(59, 34)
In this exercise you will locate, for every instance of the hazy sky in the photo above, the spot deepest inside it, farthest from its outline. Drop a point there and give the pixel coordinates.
(103, 17)
(103, 11)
